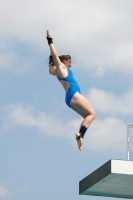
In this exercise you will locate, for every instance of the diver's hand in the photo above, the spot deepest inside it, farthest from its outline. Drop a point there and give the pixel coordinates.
(47, 34)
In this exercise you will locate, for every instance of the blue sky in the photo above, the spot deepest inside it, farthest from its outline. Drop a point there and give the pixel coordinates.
(39, 158)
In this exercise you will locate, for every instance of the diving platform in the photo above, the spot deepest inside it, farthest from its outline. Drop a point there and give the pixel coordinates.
(112, 179)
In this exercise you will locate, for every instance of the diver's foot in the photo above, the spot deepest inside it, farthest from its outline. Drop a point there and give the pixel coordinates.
(79, 141)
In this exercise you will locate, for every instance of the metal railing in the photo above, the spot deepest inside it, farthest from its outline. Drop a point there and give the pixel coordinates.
(130, 141)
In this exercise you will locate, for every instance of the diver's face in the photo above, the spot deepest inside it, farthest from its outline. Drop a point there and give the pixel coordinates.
(67, 63)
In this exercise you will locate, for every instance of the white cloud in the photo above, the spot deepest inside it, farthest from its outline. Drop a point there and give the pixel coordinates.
(13, 61)
(104, 134)
(98, 33)
(101, 134)
(12, 183)
(107, 133)
(107, 102)
(16, 114)
(3, 192)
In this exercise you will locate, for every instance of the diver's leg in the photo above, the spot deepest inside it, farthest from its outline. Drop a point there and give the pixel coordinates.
(81, 105)
(76, 137)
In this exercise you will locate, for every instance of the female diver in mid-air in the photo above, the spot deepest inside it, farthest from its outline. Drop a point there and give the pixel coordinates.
(73, 98)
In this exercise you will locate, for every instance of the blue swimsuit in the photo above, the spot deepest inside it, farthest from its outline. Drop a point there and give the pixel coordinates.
(73, 86)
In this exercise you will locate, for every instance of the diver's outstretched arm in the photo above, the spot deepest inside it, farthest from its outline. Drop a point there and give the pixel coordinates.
(53, 50)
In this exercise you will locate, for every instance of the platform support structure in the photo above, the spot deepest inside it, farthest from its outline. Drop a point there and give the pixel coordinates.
(114, 178)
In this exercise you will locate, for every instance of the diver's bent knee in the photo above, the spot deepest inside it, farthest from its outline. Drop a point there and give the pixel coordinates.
(93, 115)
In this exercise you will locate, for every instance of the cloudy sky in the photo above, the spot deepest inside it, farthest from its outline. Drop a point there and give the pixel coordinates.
(39, 158)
